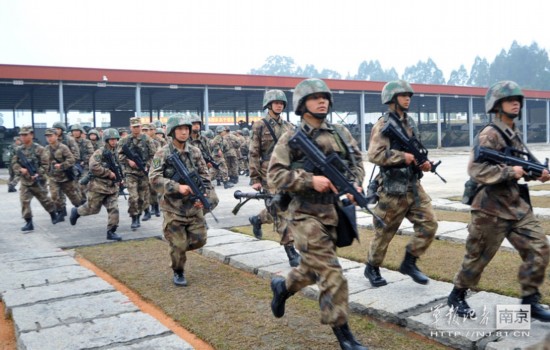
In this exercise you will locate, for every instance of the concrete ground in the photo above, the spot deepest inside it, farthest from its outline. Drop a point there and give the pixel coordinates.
(57, 304)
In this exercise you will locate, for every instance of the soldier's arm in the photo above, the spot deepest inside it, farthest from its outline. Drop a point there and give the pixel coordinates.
(122, 158)
(73, 146)
(379, 151)
(488, 173)
(160, 183)
(96, 165)
(359, 169)
(69, 158)
(254, 156)
(44, 159)
(89, 151)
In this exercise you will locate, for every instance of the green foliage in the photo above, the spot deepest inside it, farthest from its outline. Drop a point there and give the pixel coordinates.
(459, 77)
(424, 73)
(373, 71)
(479, 74)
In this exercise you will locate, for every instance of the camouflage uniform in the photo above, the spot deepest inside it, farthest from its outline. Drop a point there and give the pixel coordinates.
(59, 182)
(98, 143)
(30, 188)
(184, 224)
(86, 149)
(13, 179)
(231, 156)
(218, 144)
(136, 180)
(68, 141)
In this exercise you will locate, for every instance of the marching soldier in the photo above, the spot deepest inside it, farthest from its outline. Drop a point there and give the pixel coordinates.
(14, 179)
(400, 191)
(60, 173)
(500, 208)
(86, 149)
(160, 137)
(103, 188)
(184, 224)
(265, 135)
(35, 185)
(231, 156)
(149, 130)
(137, 182)
(94, 137)
(313, 212)
(219, 148)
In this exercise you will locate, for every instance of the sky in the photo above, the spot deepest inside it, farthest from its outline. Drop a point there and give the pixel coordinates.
(223, 36)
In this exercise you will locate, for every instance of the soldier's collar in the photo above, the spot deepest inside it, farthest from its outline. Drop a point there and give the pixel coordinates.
(311, 131)
(272, 120)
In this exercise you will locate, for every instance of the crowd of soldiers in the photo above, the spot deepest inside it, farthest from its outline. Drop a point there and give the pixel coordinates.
(175, 171)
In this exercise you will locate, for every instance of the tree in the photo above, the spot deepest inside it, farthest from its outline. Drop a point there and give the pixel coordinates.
(277, 65)
(424, 73)
(479, 74)
(459, 77)
(373, 71)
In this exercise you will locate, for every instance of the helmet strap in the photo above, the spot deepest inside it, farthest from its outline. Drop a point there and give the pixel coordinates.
(316, 115)
(272, 111)
(509, 115)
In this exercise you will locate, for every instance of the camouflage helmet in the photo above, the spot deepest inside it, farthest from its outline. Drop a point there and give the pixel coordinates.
(308, 87)
(94, 132)
(159, 131)
(195, 118)
(246, 132)
(26, 129)
(157, 123)
(59, 125)
(77, 127)
(273, 95)
(121, 130)
(393, 88)
(500, 90)
(208, 133)
(110, 134)
(220, 128)
(175, 121)
(49, 131)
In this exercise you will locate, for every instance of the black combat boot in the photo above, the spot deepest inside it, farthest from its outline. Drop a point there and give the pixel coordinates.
(247, 172)
(64, 211)
(293, 256)
(28, 225)
(457, 300)
(139, 220)
(135, 223)
(179, 278)
(227, 184)
(537, 311)
(55, 217)
(111, 235)
(156, 210)
(408, 267)
(372, 273)
(74, 216)
(11, 188)
(234, 179)
(256, 226)
(146, 214)
(346, 339)
(280, 295)
(218, 182)
(60, 216)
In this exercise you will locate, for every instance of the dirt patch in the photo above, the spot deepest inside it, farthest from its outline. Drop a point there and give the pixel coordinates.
(7, 331)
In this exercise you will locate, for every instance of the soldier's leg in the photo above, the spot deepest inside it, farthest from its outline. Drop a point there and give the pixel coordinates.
(174, 228)
(72, 190)
(41, 193)
(55, 192)
(84, 188)
(25, 197)
(529, 239)
(93, 205)
(111, 204)
(392, 209)
(485, 235)
(144, 194)
(133, 195)
(425, 223)
(196, 233)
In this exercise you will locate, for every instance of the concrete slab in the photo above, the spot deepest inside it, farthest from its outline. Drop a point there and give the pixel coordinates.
(71, 310)
(97, 333)
(169, 342)
(512, 340)
(225, 239)
(394, 302)
(215, 232)
(55, 291)
(268, 272)
(350, 264)
(222, 252)
(253, 261)
(445, 327)
(30, 255)
(539, 193)
(39, 263)
(443, 228)
(357, 282)
(15, 280)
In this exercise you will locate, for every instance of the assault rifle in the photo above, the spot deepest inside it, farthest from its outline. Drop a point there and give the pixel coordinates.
(248, 196)
(410, 145)
(332, 166)
(191, 179)
(25, 163)
(113, 165)
(209, 160)
(134, 156)
(531, 165)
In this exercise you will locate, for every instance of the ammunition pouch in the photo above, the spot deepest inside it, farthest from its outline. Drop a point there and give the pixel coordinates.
(74, 172)
(395, 181)
(278, 203)
(346, 231)
(372, 191)
(471, 188)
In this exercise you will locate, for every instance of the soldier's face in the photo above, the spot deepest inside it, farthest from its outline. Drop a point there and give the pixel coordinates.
(196, 128)
(76, 133)
(317, 103)
(277, 107)
(58, 131)
(181, 133)
(404, 100)
(136, 130)
(112, 142)
(51, 139)
(93, 137)
(25, 138)
(511, 105)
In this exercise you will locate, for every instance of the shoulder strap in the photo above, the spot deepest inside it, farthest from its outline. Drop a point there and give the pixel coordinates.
(275, 139)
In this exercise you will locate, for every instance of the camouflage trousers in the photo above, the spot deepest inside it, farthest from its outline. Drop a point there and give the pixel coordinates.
(485, 235)
(280, 225)
(319, 264)
(26, 194)
(393, 209)
(14, 179)
(60, 189)
(94, 203)
(153, 195)
(83, 188)
(243, 165)
(138, 194)
(232, 166)
(183, 234)
(221, 173)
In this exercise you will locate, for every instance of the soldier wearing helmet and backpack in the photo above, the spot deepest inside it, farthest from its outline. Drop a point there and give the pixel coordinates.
(500, 208)
(400, 192)
(103, 187)
(312, 212)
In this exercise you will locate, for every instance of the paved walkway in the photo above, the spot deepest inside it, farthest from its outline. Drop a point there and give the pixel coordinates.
(58, 304)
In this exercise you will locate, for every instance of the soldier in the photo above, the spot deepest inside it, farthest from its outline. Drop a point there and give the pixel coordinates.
(184, 224)
(14, 179)
(400, 191)
(501, 208)
(245, 151)
(68, 141)
(123, 132)
(86, 149)
(150, 130)
(313, 210)
(242, 152)
(160, 137)
(265, 135)
(198, 140)
(94, 137)
(231, 156)
(103, 188)
(32, 186)
(61, 173)
(136, 179)
(219, 147)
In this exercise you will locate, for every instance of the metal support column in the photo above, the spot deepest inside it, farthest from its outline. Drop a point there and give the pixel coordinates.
(524, 121)
(150, 106)
(138, 100)
(206, 110)
(32, 107)
(439, 121)
(471, 120)
(547, 121)
(62, 117)
(93, 109)
(361, 121)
